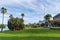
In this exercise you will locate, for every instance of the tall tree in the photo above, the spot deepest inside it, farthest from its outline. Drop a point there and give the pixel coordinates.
(3, 11)
(22, 20)
(47, 18)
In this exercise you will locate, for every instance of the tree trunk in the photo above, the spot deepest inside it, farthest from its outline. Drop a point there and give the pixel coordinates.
(2, 22)
(1, 29)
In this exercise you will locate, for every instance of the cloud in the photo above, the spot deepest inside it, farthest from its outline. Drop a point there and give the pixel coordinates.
(33, 9)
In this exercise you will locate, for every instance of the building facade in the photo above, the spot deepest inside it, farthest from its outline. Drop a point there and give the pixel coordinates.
(56, 18)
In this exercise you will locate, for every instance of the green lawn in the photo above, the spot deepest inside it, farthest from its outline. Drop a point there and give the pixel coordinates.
(31, 34)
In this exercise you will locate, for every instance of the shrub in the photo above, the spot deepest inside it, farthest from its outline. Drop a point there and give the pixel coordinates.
(2, 26)
(15, 23)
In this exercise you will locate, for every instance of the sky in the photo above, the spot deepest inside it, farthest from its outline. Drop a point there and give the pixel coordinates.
(34, 10)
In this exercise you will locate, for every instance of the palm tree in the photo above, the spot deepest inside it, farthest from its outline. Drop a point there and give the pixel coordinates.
(22, 15)
(47, 18)
(3, 11)
(22, 20)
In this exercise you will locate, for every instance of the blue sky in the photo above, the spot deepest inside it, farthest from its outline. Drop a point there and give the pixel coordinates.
(33, 9)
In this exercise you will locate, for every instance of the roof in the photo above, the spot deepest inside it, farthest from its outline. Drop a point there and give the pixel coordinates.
(56, 15)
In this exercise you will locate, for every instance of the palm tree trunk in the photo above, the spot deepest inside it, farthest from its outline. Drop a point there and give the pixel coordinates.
(22, 17)
(2, 22)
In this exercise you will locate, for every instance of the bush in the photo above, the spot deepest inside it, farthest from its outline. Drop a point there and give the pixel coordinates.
(2, 26)
(15, 23)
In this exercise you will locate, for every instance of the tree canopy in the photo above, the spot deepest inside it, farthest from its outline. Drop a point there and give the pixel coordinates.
(15, 23)
(47, 17)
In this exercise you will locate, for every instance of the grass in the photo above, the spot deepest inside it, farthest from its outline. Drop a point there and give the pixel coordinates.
(31, 34)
